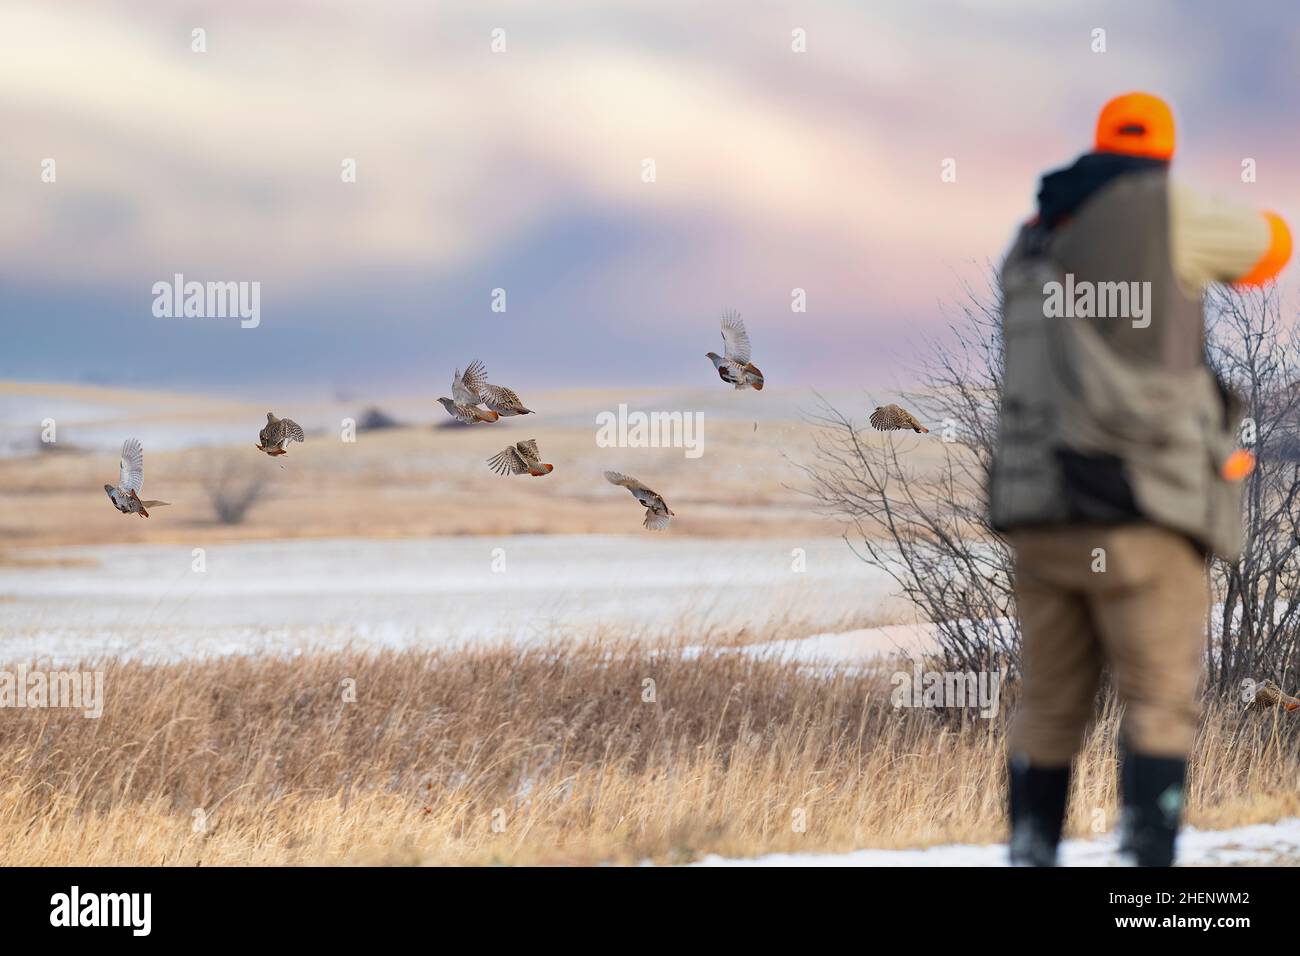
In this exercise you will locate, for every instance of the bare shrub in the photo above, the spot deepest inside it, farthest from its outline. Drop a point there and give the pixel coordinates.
(232, 489)
(375, 419)
(1255, 629)
(928, 529)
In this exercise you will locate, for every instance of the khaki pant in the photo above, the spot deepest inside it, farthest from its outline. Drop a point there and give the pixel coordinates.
(1143, 617)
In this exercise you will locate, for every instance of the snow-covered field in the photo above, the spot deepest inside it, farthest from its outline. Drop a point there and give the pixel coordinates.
(149, 601)
(1260, 844)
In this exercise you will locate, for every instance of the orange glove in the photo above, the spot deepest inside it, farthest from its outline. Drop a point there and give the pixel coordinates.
(1275, 257)
(1239, 464)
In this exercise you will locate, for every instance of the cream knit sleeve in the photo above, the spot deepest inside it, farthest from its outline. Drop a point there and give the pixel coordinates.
(1213, 241)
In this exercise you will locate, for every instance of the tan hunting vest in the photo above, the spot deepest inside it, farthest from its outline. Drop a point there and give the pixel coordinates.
(1116, 418)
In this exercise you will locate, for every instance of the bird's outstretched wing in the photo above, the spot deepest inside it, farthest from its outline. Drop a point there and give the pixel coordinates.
(474, 379)
(892, 417)
(655, 521)
(1268, 694)
(647, 496)
(735, 340)
(508, 462)
(292, 429)
(465, 388)
(631, 484)
(131, 466)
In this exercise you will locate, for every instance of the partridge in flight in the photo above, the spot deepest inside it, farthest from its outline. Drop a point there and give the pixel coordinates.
(733, 365)
(465, 397)
(275, 437)
(1268, 694)
(889, 418)
(503, 401)
(521, 458)
(657, 514)
(125, 497)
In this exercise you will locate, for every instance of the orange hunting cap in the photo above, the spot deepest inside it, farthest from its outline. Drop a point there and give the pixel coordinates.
(1138, 124)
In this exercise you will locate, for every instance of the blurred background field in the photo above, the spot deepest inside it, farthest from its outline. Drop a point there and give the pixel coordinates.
(404, 537)
(424, 475)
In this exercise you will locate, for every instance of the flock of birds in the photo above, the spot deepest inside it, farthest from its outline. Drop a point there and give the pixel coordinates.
(475, 401)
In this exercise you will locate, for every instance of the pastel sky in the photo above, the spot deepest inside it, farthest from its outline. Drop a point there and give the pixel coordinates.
(523, 170)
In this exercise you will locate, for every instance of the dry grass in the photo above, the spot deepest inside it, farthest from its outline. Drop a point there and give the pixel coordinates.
(555, 746)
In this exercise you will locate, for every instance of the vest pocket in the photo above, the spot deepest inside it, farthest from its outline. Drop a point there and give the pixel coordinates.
(1097, 488)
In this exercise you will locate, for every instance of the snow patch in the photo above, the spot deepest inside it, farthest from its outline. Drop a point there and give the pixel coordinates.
(1258, 844)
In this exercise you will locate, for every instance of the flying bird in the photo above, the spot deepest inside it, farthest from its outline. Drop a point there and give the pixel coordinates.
(465, 397)
(125, 497)
(734, 366)
(1268, 694)
(890, 418)
(521, 458)
(503, 401)
(657, 514)
(275, 437)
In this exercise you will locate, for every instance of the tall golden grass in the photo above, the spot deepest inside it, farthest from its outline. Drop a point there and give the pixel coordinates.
(545, 755)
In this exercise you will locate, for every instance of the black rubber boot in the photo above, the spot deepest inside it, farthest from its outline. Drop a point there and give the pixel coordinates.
(1038, 796)
(1151, 795)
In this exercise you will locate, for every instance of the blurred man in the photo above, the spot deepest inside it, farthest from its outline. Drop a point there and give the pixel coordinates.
(1116, 470)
